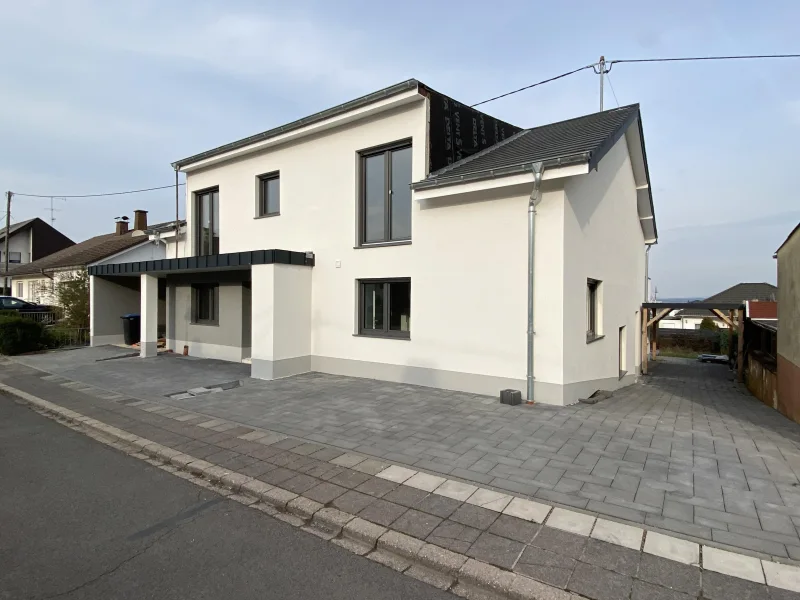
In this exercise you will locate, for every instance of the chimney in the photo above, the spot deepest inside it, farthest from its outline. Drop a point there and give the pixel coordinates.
(122, 226)
(139, 220)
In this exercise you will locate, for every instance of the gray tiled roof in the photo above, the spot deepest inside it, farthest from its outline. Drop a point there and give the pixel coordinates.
(15, 227)
(738, 293)
(589, 136)
(84, 253)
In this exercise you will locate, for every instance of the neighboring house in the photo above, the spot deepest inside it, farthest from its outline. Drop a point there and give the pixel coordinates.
(37, 281)
(788, 345)
(405, 219)
(28, 241)
(690, 318)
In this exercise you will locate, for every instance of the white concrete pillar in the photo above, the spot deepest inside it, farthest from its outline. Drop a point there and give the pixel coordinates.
(170, 320)
(149, 315)
(281, 320)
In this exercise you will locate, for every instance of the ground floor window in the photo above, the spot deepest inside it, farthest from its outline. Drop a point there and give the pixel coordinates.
(205, 304)
(19, 289)
(594, 309)
(385, 307)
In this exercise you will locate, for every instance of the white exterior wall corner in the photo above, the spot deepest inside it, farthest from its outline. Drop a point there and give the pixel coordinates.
(602, 240)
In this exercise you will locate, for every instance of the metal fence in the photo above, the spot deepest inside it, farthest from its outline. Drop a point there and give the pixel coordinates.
(67, 337)
(45, 317)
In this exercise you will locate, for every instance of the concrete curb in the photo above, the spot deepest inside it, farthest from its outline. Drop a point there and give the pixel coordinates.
(437, 566)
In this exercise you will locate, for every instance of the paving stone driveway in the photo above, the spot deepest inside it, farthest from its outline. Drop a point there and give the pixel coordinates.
(686, 451)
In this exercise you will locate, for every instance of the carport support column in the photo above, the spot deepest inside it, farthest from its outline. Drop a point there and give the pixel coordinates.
(149, 314)
(281, 320)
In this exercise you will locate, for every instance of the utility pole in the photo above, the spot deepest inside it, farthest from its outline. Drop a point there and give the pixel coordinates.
(177, 214)
(8, 235)
(602, 74)
(600, 69)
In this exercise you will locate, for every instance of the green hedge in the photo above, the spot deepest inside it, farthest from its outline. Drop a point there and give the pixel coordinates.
(19, 335)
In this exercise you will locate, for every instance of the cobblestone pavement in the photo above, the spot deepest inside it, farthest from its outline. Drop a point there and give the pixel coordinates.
(687, 451)
(584, 564)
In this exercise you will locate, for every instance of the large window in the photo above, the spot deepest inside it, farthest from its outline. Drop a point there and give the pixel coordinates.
(594, 310)
(205, 304)
(385, 307)
(207, 222)
(385, 198)
(269, 195)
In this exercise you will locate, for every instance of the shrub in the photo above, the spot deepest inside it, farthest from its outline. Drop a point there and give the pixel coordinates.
(18, 335)
(708, 324)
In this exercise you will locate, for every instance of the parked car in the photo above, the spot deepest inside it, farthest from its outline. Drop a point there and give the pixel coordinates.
(40, 312)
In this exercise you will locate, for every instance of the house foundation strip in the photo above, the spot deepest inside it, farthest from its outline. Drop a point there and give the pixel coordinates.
(149, 316)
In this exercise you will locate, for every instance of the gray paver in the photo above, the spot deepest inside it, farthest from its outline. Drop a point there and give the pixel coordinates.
(416, 523)
(669, 574)
(611, 557)
(723, 587)
(599, 584)
(545, 566)
(684, 439)
(495, 550)
(382, 512)
(453, 536)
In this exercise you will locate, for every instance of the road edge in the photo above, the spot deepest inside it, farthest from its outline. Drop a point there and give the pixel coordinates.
(442, 568)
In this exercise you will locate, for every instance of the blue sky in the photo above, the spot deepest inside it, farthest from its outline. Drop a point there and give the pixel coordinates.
(102, 96)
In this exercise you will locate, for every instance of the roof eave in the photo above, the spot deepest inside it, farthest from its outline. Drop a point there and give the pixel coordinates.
(305, 121)
(563, 161)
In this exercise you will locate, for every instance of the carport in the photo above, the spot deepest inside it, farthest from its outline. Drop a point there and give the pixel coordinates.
(653, 312)
(244, 295)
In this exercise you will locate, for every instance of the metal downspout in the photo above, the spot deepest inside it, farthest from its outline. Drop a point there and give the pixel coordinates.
(647, 273)
(533, 201)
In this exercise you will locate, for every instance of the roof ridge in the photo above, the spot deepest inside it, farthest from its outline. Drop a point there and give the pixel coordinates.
(483, 152)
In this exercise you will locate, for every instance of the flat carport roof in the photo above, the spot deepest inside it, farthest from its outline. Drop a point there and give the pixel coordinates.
(205, 264)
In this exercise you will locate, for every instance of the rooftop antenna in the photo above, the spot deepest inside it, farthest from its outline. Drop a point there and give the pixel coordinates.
(54, 210)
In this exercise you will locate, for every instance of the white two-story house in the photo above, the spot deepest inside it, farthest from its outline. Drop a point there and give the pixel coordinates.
(404, 236)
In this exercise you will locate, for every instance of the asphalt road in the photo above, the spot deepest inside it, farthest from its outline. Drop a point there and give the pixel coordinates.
(81, 520)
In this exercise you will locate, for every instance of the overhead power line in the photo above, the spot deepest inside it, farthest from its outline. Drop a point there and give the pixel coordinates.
(611, 85)
(687, 58)
(163, 187)
(636, 60)
(527, 87)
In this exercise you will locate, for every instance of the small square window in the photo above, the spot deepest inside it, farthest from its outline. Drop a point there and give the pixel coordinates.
(269, 195)
(205, 304)
(385, 307)
(594, 310)
(15, 257)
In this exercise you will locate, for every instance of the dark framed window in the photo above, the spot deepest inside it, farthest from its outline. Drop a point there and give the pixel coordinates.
(384, 307)
(207, 222)
(205, 303)
(15, 257)
(385, 194)
(593, 309)
(269, 195)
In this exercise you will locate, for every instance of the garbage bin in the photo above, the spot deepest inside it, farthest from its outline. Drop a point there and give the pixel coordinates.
(130, 328)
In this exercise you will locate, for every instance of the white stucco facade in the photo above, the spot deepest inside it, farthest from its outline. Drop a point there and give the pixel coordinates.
(466, 261)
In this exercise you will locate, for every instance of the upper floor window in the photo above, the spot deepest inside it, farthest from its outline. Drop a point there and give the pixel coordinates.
(385, 197)
(207, 222)
(269, 195)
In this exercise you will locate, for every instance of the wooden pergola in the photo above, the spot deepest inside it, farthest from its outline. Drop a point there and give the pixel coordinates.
(653, 312)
